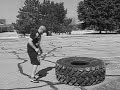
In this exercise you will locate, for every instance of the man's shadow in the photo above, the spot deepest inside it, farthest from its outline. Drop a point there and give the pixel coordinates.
(43, 72)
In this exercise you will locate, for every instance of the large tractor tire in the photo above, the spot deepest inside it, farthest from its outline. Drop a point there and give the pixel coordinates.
(80, 71)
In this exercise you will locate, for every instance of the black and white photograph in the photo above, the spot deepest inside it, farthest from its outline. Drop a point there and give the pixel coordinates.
(60, 44)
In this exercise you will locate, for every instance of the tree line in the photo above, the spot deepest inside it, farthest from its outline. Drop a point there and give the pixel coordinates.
(100, 15)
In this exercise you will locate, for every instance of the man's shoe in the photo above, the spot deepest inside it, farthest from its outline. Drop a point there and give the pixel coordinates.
(34, 80)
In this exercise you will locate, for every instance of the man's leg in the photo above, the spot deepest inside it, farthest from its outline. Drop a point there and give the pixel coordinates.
(34, 69)
(33, 79)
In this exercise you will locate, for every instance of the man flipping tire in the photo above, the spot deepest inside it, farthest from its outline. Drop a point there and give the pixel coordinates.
(33, 49)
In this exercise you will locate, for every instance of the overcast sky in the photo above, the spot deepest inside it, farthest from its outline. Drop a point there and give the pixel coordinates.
(9, 8)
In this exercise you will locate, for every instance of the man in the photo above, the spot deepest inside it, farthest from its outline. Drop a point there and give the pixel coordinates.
(33, 48)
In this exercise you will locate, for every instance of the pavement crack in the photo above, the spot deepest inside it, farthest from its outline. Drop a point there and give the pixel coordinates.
(19, 64)
(3, 48)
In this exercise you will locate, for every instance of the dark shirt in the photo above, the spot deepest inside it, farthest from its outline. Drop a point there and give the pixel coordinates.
(35, 40)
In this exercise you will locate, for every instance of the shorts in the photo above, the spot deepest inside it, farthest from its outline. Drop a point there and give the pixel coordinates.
(33, 57)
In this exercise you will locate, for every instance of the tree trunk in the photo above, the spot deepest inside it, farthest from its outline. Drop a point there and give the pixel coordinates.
(47, 33)
(100, 31)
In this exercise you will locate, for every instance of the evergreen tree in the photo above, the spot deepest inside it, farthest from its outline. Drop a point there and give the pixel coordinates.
(28, 17)
(33, 14)
(53, 15)
(103, 14)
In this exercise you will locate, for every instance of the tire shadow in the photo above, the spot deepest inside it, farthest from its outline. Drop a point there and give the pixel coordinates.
(43, 72)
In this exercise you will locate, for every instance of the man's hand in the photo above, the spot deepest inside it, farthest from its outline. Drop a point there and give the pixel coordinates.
(41, 56)
(37, 50)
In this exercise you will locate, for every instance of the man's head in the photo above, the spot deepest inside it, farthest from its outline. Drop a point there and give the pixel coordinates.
(42, 29)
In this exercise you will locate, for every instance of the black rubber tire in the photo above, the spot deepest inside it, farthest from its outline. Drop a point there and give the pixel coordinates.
(80, 71)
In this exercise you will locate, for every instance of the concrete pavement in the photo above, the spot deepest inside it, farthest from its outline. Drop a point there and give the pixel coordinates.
(15, 67)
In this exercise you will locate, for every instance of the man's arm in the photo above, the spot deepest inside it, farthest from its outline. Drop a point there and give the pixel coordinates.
(32, 44)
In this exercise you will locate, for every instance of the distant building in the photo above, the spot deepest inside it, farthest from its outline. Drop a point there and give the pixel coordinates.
(5, 27)
(2, 21)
